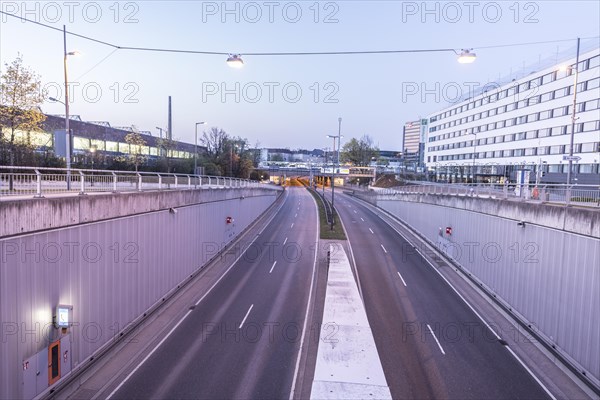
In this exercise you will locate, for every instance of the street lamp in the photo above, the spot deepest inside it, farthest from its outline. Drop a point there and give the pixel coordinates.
(466, 57)
(235, 61)
(335, 164)
(573, 114)
(196, 148)
(66, 103)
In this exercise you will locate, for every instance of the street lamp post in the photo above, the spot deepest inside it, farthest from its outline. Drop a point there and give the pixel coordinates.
(196, 147)
(573, 115)
(335, 164)
(67, 128)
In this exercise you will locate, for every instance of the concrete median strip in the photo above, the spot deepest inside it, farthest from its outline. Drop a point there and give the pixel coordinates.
(348, 365)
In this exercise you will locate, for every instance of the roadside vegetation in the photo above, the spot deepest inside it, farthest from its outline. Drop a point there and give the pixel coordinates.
(325, 228)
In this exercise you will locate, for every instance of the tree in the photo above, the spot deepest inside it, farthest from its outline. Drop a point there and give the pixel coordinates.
(359, 152)
(166, 148)
(21, 96)
(136, 147)
(276, 157)
(214, 141)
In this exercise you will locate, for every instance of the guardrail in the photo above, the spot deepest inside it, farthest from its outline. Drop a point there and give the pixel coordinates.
(582, 195)
(37, 182)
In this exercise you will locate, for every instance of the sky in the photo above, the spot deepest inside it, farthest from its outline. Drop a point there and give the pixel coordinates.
(291, 101)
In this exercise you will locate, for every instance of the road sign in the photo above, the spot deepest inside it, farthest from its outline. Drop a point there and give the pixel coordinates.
(572, 158)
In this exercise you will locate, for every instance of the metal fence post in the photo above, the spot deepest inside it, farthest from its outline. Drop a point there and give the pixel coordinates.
(139, 182)
(114, 182)
(82, 186)
(38, 190)
(159, 181)
(175, 181)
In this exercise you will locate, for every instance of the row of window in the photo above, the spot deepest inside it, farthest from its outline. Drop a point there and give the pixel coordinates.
(590, 147)
(525, 135)
(496, 169)
(547, 114)
(534, 83)
(85, 144)
(537, 99)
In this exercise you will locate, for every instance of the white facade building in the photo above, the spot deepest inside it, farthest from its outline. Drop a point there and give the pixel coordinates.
(523, 125)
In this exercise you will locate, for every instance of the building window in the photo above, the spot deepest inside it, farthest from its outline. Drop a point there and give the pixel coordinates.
(593, 84)
(594, 62)
(554, 168)
(531, 135)
(548, 78)
(591, 147)
(112, 146)
(557, 149)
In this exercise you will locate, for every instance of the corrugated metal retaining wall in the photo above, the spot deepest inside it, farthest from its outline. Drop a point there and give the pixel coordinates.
(110, 271)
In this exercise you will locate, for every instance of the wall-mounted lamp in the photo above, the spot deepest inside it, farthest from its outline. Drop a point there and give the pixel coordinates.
(63, 316)
(173, 210)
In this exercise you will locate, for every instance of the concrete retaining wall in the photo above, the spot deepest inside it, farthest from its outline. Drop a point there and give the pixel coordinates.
(111, 270)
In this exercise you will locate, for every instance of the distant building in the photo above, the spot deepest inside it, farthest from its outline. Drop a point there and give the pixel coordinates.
(413, 143)
(522, 125)
(412, 137)
(99, 135)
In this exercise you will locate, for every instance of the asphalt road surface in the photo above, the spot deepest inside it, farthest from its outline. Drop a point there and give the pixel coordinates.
(431, 344)
(242, 340)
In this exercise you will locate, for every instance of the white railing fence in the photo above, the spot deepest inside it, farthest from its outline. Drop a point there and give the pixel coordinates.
(586, 195)
(37, 182)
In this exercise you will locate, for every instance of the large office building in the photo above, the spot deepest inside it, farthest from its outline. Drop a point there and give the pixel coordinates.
(413, 141)
(524, 125)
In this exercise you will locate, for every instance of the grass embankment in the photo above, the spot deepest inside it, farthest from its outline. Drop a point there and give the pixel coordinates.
(326, 232)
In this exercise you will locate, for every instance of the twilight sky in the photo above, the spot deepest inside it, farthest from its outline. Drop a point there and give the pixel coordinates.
(284, 101)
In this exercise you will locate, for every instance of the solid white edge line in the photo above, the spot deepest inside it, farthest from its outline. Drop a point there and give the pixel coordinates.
(198, 302)
(312, 281)
(384, 250)
(372, 231)
(401, 278)
(530, 372)
(246, 316)
(271, 270)
(149, 355)
(360, 292)
(361, 218)
(436, 339)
